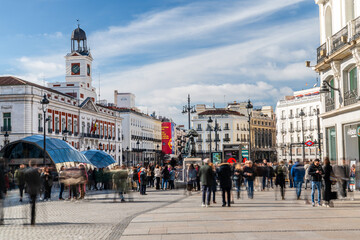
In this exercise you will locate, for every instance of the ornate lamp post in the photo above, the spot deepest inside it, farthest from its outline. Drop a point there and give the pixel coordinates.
(157, 156)
(6, 138)
(217, 129)
(210, 130)
(249, 108)
(188, 109)
(138, 149)
(317, 111)
(44, 105)
(302, 114)
(127, 156)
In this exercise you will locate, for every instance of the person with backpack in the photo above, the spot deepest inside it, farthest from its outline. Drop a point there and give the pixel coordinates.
(316, 172)
(281, 173)
(224, 176)
(298, 173)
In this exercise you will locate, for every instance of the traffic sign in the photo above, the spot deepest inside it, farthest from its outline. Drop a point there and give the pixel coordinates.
(309, 143)
(231, 160)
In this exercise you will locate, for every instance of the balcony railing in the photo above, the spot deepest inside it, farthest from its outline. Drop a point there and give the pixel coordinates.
(339, 39)
(6, 128)
(50, 130)
(40, 129)
(291, 130)
(329, 104)
(226, 128)
(76, 133)
(283, 118)
(226, 139)
(350, 97)
(199, 129)
(321, 53)
(291, 116)
(57, 131)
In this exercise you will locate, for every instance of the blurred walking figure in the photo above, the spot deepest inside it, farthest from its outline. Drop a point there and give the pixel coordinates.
(120, 178)
(291, 180)
(328, 172)
(165, 178)
(206, 178)
(157, 174)
(316, 171)
(47, 180)
(265, 174)
(214, 183)
(281, 173)
(82, 184)
(172, 175)
(142, 181)
(62, 185)
(224, 175)
(2, 190)
(197, 168)
(238, 179)
(20, 179)
(249, 175)
(342, 173)
(298, 173)
(307, 176)
(191, 178)
(33, 185)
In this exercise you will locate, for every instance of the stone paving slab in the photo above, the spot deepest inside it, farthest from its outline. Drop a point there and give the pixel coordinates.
(261, 218)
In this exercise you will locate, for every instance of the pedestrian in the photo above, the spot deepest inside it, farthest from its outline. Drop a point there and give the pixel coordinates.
(291, 180)
(95, 178)
(142, 181)
(120, 177)
(82, 184)
(197, 168)
(152, 174)
(281, 173)
(62, 185)
(165, 178)
(214, 183)
(249, 175)
(265, 174)
(47, 180)
(191, 178)
(307, 176)
(224, 176)
(157, 174)
(33, 185)
(2, 190)
(298, 173)
(20, 179)
(238, 176)
(342, 173)
(206, 178)
(328, 173)
(316, 172)
(172, 175)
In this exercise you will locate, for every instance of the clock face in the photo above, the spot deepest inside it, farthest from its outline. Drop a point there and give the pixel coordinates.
(75, 69)
(88, 70)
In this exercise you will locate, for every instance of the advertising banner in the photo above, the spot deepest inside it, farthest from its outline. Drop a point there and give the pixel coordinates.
(167, 130)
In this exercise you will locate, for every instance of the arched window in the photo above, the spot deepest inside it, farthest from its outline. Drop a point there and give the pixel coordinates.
(349, 10)
(328, 23)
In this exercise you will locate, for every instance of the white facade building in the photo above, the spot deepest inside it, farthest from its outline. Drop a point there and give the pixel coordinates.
(141, 132)
(73, 117)
(289, 124)
(338, 60)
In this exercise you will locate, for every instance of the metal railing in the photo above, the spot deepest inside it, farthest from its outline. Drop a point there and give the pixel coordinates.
(357, 28)
(337, 41)
(40, 129)
(226, 139)
(350, 97)
(6, 128)
(321, 53)
(329, 104)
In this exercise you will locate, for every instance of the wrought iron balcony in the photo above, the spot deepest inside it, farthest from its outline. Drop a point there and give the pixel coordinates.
(226, 139)
(57, 131)
(291, 116)
(329, 104)
(199, 129)
(40, 129)
(6, 128)
(291, 130)
(339, 39)
(50, 130)
(350, 97)
(226, 128)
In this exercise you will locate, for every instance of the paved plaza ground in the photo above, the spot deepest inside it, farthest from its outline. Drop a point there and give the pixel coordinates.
(171, 215)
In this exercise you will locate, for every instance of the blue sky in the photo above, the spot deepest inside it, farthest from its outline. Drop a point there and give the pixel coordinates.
(161, 50)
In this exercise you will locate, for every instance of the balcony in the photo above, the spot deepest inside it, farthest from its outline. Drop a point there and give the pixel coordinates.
(40, 129)
(339, 39)
(350, 97)
(298, 129)
(226, 139)
(57, 131)
(69, 133)
(76, 134)
(6, 129)
(199, 129)
(217, 139)
(291, 130)
(199, 140)
(226, 128)
(291, 117)
(329, 104)
(283, 118)
(50, 130)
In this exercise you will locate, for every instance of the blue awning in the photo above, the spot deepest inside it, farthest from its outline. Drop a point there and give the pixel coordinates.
(58, 150)
(99, 158)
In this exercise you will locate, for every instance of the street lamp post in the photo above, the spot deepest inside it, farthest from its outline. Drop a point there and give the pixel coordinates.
(157, 155)
(210, 130)
(188, 109)
(249, 108)
(317, 111)
(6, 138)
(217, 129)
(302, 114)
(44, 105)
(138, 149)
(65, 132)
(127, 156)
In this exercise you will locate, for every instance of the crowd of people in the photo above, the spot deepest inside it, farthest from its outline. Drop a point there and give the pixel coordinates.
(330, 182)
(229, 178)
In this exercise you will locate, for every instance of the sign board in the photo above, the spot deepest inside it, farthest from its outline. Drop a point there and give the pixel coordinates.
(216, 157)
(245, 153)
(167, 134)
(309, 143)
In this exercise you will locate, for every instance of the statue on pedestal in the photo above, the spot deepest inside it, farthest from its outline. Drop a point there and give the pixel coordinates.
(190, 148)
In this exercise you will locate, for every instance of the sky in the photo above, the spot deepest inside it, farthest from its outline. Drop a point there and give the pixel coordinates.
(163, 50)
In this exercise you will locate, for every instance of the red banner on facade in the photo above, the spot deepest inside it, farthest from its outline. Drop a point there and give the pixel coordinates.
(166, 138)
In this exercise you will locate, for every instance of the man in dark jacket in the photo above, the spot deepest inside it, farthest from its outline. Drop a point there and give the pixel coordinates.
(291, 180)
(298, 173)
(20, 179)
(249, 175)
(316, 172)
(224, 176)
(2, 191)
(33, 184)
(206, 178)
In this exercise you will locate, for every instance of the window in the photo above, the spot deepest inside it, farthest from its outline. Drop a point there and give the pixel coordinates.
(69, 127)
(83, 127)
(40, 120)
(352, 79)
(291, 112)
(75, 126)
(226, 126)
(50, 123)
(332, 93)
(63, 124)
(6, 121)
(57, 124)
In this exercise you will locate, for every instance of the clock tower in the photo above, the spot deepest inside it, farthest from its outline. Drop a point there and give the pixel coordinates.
(78, 69)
